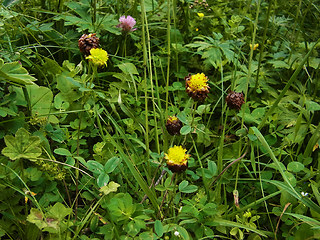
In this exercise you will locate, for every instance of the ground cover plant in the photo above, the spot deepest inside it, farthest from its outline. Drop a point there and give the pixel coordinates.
(152, 119)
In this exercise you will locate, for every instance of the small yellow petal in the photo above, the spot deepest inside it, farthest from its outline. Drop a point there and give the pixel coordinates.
(98, 56)
(201, 15)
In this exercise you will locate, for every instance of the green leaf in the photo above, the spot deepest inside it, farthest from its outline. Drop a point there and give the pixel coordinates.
(312, 106)
(295, 167)
(186, 188)
(10, 3)
(212, 169)
(111, 164)
(111, 187)
(95, 167)
(185, 130)
(22, 146)
(158, 228)
(63, 152)
(128, 68)
(14, 72)
(40, 99)
(59, 211)
(36, 217)
(103, 180)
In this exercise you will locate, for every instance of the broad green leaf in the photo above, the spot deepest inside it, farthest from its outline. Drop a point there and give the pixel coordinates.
(63, 152)
(37, 218)
(103, 179)
(14, 72)
(295, 167)
(59, 211)
(40, 99)
(158, 228)
(185, 130)
(111, 164)
(111, 187)
(22, 146)
(95, 167)
(128, 68)
(312, 106)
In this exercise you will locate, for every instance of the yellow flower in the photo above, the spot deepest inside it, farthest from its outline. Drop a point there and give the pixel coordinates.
(197, 86)
(255, 46)
(197, 29)
(98, 56)
(177, 159)
(198, 82)
(201, 15)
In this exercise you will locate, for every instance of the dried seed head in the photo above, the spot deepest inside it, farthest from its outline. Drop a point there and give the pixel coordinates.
(87, 42)
(235, 100)
(173, 125)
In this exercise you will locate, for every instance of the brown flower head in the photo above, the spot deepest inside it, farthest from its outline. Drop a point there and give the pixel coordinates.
(235, 100)
(87, 42)
(197, 86)
(173, 125)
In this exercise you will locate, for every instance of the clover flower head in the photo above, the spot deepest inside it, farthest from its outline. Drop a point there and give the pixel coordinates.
(173, 125)
(197, 86)
(235, 100)
(88, 41)
(177, 159)
(98, 57)
(176, 233)
(127, 24)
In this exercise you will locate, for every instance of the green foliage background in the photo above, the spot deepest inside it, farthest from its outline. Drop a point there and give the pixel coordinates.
(82, 148)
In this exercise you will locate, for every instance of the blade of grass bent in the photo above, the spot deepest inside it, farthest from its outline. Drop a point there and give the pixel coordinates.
(287, 185)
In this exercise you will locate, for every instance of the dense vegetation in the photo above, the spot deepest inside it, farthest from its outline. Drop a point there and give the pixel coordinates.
(155, 119)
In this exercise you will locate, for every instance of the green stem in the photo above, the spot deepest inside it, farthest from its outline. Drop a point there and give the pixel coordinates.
(263, 45)
(145, 62)
(168, 53)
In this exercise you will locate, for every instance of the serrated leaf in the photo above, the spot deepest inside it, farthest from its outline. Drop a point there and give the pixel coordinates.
(36, 217)
(22, 146)
(59, 211)
(14, 72)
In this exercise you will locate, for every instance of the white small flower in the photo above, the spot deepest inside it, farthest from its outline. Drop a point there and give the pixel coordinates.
(176, 233)
(304, 194)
